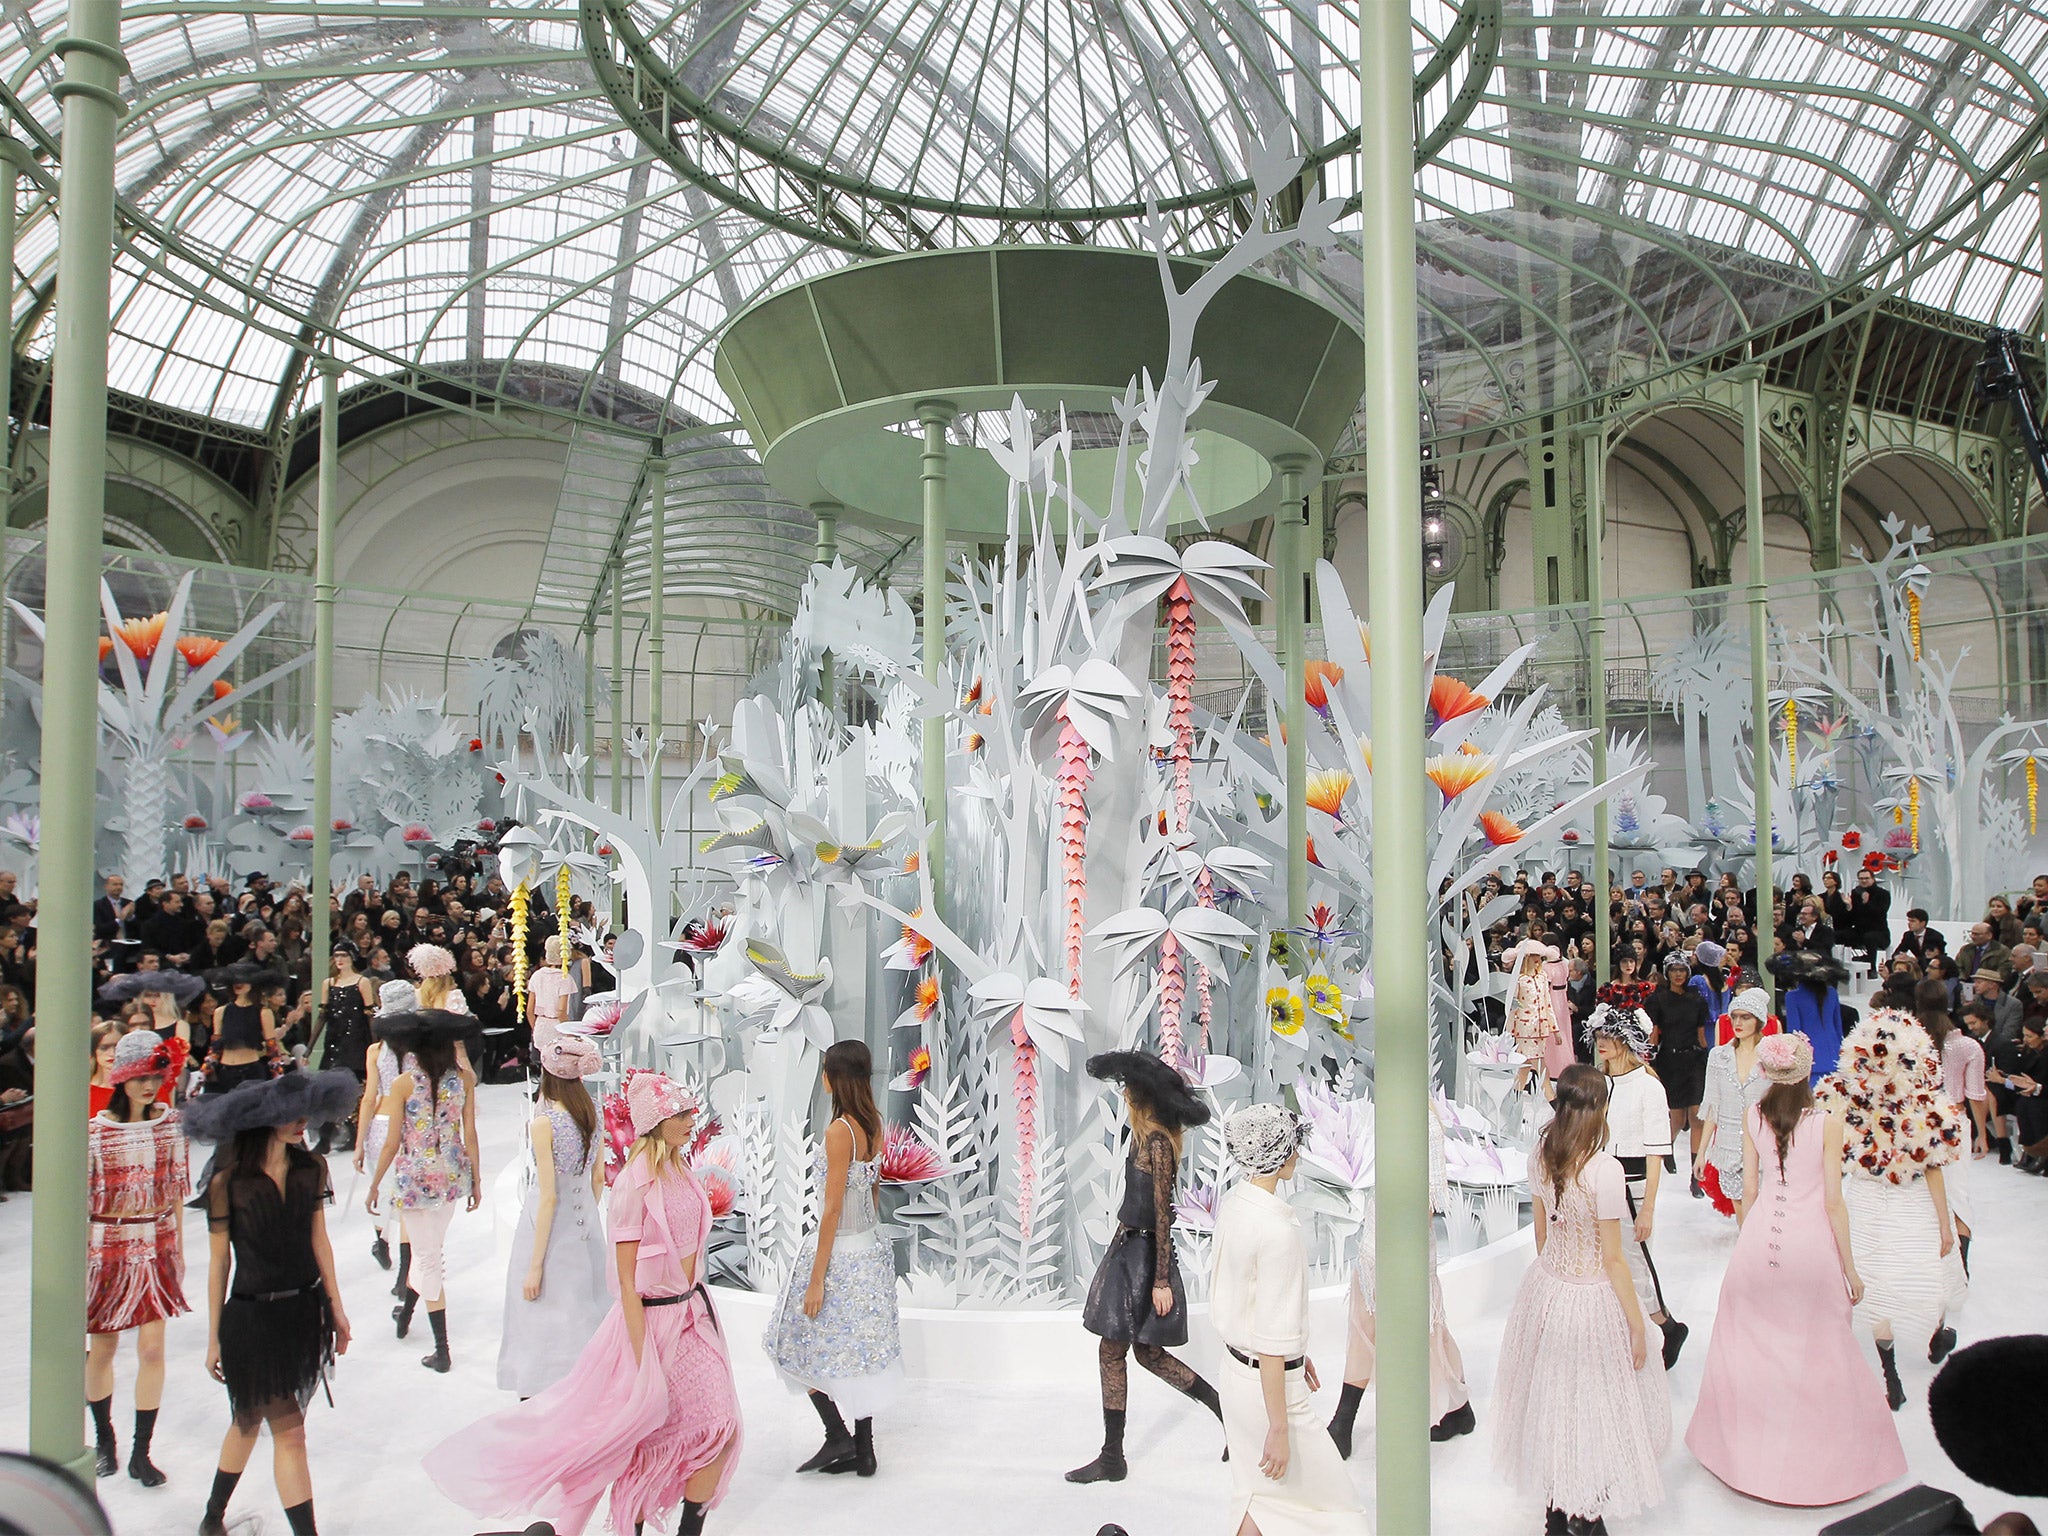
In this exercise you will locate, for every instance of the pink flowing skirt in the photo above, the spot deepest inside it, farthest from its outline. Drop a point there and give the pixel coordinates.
(641, 1430)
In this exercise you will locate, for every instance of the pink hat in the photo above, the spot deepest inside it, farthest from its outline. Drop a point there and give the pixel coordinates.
(563, 1055)
(430, 960)
(652, 1097)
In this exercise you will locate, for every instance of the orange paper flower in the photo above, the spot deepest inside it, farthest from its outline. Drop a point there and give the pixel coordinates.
(106, 647)
(198, 650)
(1449, 699)
(912, 862)
(1500, 831)
(927, 997)
(920, 947)
(1327, 789)
(1455, 773)
(222, 688)
(1320, 675)
(141, 635)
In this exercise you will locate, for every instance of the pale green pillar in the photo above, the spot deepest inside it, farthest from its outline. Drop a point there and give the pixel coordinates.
(1751, 380)
(619, 684)
(93, 67)
(657, 582)
(827, 551)
(15, 158)
(589, 742)
(935, 416)
(327, 512)
(1290, 541)
(1403, 948)
(1594, 446)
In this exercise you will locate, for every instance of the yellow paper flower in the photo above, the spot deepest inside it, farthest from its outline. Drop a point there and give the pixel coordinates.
(1327, 789)
(1284, 1011)
(1323, 996)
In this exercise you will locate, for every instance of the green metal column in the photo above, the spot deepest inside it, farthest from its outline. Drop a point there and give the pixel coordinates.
(1402, 946)
(1595, 447)
(1290, 540)
(657, 581)
(327, 512)
(14, 155)
(935, 416)
(827, 551)
(93, 67)
(1751, 380)
(589, 742)
(619, 684)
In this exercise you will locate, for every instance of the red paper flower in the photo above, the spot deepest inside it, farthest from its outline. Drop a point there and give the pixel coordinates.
(1851, 841)
(198, 650)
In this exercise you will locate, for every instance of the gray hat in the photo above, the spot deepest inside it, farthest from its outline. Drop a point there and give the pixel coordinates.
(1676, 961)
(1710, 953)
(397, 997)
(1262, 1137)
(1755, 1002)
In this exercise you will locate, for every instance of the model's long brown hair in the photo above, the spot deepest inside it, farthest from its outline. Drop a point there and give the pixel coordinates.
(570, 1093)
(1930, 1007)
(1577, 1131)
(1781, 1106)
(848, 1067)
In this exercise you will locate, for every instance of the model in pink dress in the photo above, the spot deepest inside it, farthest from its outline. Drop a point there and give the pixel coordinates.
(654, 1426)
(1789, 1410)
(1539, 1013)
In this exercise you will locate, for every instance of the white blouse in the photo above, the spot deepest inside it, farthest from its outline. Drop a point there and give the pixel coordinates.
(1638, 1115)
(1258, 1274)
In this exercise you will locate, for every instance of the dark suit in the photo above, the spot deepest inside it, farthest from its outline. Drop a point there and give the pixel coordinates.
(106, 925)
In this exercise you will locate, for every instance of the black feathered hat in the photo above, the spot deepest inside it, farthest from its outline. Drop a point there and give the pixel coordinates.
(258, 978)
(1985, 1407)
(317, 1097)
(1808, 968)
(404, 1031)
(1161, 1092)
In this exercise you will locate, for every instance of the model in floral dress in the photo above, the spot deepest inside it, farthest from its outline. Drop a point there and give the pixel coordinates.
(650, 1412)
(1581, 1411)
(1536, 1007)
(833, 1334)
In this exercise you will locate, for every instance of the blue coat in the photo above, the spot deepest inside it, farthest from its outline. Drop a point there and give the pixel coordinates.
(1818, 1016)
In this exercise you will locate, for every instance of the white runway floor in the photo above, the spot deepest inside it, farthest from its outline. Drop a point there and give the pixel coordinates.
(979, 1461)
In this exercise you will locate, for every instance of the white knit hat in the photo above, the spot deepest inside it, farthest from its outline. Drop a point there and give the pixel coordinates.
(1754, 1001)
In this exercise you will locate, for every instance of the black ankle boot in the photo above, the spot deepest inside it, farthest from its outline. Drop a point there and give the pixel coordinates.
(438, 1360)
(381, 1252)
(402, 1313)
(1109, 1467)
(1459, 1421)
(1938, 1347)
(1674, 1340)
(404, 1272)
(864, 1447)
(1894, 1392)
(1585, 1525)
(1963, 1242)
(1346, 1416)
(326, 1140)
(140, 1467)
(1553, 1522)
(215, 1521)
(106, 1459)
(2005, 1151)
(837, 1453)
(692, 1523)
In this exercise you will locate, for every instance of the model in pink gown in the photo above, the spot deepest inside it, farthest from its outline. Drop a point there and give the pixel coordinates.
(1789, 1411)
(638, 1428)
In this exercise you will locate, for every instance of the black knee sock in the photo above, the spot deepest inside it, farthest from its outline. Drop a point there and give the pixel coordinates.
(1347, 1406)
(438, 1321)
(404, 1269)
(102, 1418)
(300, 1518)
(145, 1429)
(1205, 1394)
(223, 1489)
(1963, 1242)
(1112, 1432)
(692, 1523)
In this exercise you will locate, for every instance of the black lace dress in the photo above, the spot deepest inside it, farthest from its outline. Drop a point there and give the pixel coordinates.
(348, 1029)
(1140, 1256)
(276, 1327)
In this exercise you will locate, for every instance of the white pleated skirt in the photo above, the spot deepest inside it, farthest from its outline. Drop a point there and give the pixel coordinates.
(1909, 1287)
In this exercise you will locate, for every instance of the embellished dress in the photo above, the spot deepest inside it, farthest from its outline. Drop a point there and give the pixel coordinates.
(638, 1427)
(135, 1190)
(431, 1175)
(1140, 1256)
(276, 1327)
(1789, 1410)
(348, 1029)
(1575, 1422)
(543, 1337)
(1729, 1098)
(850, 1351)
(1536, 1012)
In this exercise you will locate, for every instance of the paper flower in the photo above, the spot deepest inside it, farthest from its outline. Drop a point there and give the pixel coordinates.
(1285, 1011)
(106, 648)
(415, 834)
(1449, 699)
(221, 689)
(920, 1069)
(913, 950)
(198, 650)
(1196, 1209)
(1322, 929)
(343, 824)
(256, 800)
(1851, 841)
(195, 823)
(912, 863)
(907, 1158)
(488, 825)
(1457, 772)
(707, 938)
(927, 997)
(1316, 689)
(1327, 789)
(1323, 996)
(1499, 830)
(302, 833)
(142, 635)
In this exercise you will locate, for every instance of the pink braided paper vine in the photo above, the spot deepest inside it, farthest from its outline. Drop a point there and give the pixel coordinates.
(1024, 1083)
(1205, 896)
(1180, 687)
(1075, 772)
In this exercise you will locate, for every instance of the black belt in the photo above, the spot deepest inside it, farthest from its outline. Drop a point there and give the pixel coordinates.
(1633, 1168)
(1244, 1359)
(302, 1290)
(676, 1301)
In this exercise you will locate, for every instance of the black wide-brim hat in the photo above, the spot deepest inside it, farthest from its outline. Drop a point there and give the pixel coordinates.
(1985, 1404)
(316, 1097)
(131, 984)
(225, 978)
(1161, 1092)
(404, 1031)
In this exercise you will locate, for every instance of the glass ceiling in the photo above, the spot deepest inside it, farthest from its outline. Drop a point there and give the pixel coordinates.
(449, 186)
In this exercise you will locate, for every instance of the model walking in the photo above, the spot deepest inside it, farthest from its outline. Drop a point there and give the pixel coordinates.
(1450, 1402)
(275, 1319)
(246, 1046)
(1137, 1303)
(135, 1261)
(649, 1412)
(1679, 1025)
(431, 1138)
(1581, 1411)
(1734, 1084)
(833, 1334)
(1286, 1476)
(555, 1284)
(1536, 1009)
(1638, 1137)
(380, 1071)
(1789, 1410)
(435, 969)
(345, 1024)
(1897, 1137)
(1964, 1091)
(1812, 1006)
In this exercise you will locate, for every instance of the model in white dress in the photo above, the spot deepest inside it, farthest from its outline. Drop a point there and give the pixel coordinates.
(1639, 1138)
(555, 1290)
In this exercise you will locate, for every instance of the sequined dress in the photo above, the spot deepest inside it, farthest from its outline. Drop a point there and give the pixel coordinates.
(542, 1338)
(134, 1265)
(851, 1350)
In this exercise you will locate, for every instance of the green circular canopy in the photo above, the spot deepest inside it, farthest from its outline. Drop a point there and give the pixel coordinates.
(827, 374)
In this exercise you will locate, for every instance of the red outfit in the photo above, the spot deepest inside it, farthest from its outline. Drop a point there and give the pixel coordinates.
(136, 1186)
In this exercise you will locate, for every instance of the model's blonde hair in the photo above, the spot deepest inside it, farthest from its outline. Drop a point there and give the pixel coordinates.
(658, 1152)
(433, 991)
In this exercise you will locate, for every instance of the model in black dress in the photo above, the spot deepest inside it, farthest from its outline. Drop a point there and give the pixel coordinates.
(1137, 1303)
(345, 1026)
(1679, 1015)
(274, 1305)
(245, 1048)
